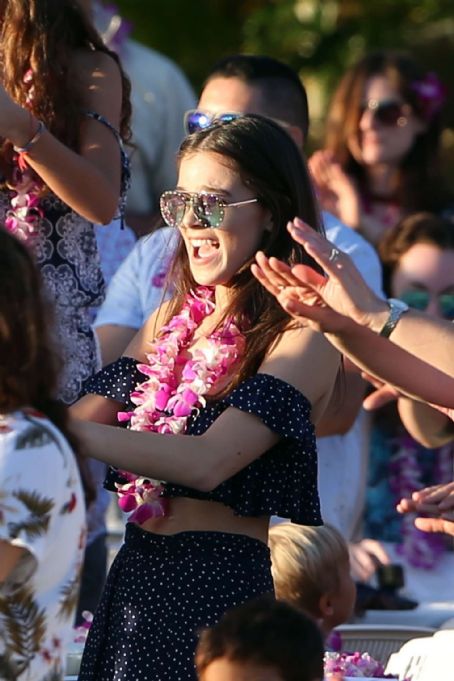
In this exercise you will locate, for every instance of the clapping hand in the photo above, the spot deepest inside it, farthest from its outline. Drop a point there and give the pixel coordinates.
(336, 190)
(322, 302)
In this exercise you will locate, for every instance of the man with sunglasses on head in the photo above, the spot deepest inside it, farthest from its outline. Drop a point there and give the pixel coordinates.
(238, 85)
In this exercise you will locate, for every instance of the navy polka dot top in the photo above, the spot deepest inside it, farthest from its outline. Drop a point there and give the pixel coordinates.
(282, 481)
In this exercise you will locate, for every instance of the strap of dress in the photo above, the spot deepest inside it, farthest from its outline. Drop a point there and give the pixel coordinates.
(125, 164)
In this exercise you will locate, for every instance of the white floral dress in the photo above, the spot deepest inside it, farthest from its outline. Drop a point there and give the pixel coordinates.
(41, 510)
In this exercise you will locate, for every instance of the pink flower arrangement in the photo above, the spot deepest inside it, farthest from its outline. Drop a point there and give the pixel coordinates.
(175, 389)
(356, 665)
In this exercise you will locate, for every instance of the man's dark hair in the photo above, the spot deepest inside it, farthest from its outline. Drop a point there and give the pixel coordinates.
(265, 632)
(283, 93)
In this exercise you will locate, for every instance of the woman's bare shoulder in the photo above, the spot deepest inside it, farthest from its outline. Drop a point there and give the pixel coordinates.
(139, 345)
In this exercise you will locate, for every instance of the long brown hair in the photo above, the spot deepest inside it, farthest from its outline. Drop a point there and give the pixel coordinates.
(29, 366)
(41, 36)
(419, 182)
(270, 163)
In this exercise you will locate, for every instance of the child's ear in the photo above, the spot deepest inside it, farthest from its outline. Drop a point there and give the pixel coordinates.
(325, 606)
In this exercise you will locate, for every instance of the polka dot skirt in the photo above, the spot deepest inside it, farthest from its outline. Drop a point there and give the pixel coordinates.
(160, 592)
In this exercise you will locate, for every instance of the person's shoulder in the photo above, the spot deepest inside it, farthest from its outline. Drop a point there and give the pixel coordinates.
(152, 65)
(155, 248)
(29, 430)
(344, 237)
(362, 253)
(140, 53)
(94, 61)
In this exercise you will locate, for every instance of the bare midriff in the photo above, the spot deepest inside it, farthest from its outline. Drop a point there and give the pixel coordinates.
(186, 515)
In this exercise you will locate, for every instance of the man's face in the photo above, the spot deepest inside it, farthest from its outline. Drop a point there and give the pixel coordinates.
(224, 669)
(232, 95)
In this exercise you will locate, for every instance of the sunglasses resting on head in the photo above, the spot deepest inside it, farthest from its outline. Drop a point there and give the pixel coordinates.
(196, 119)
(208, 208)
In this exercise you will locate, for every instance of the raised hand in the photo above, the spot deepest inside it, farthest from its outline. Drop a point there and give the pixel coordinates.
(336, 190)
(344, 290)
(365, 556)
(301, 300)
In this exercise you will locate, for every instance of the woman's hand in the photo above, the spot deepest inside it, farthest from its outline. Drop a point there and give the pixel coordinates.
(336, 190)
(383, 393)
(437, 501)
(344, 290)
(301, 301)
(365, 556)
(16, 123)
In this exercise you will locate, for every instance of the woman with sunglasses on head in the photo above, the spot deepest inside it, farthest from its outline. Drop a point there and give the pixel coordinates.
(225, 389)
(381, 154)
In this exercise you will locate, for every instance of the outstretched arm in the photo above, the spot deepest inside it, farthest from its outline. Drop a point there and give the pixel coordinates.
(308, 302)
(346, 292)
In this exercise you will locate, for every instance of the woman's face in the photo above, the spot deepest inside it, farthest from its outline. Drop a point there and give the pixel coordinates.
(424, 278)
(387, 128)
(217, 253)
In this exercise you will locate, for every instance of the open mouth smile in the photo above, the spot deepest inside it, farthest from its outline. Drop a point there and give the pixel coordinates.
(204, 249)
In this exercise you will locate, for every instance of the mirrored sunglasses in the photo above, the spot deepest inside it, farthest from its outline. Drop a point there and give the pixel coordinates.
(195, 120)
(209, 209)
(419, 300)
(388, 112)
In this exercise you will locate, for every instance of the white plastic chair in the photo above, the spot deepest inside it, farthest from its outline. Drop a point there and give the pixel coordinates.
(409, 661)
(380, 641)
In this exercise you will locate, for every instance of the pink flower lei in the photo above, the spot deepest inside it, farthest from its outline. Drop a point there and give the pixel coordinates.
(164, 401)
(23, 217)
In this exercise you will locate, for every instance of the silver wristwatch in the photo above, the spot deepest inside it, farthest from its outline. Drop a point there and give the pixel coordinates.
(396, 310)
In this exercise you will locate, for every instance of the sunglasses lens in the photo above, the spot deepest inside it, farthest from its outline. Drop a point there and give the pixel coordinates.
(196, 120)
(209, 209)
(387, 113)
(199, 120)
(173, 208)
(228, 117)
(446, 302)
(418, 300)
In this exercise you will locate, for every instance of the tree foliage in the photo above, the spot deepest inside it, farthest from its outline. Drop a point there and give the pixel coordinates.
(319, 38)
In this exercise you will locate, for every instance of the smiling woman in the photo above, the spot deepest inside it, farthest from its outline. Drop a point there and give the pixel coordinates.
(223, 363)
(381, 155)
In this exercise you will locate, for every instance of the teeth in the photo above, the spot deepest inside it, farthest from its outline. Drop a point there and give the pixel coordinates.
(197, 243)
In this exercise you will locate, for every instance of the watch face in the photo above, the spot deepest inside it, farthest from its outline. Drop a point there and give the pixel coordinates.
(398, 304)
(396, 310)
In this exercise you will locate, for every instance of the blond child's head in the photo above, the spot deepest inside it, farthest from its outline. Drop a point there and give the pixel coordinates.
(311, 570)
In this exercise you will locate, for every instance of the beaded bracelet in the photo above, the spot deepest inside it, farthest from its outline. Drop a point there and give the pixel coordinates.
(26, 148)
